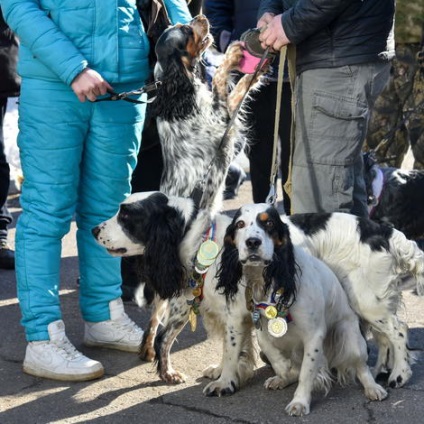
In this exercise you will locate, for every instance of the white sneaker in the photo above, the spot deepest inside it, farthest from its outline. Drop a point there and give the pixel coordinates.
(58, 359)
(120, 332)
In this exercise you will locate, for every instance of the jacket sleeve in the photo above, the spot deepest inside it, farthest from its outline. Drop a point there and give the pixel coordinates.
(271, 6)
(178, 11)
(43, 38)
(307, 17)
(220, 14)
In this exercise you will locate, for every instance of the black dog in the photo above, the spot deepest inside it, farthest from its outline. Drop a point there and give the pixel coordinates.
(396, 196)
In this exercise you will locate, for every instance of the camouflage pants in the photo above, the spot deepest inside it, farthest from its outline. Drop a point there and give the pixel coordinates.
(402, 97)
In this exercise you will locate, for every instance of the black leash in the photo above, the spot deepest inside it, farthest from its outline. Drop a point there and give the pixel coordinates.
(199, 189)
(148, 88)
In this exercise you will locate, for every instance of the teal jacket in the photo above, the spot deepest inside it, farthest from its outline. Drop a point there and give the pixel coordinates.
(60, 38)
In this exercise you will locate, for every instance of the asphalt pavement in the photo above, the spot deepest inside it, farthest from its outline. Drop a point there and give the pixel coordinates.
(130, 392)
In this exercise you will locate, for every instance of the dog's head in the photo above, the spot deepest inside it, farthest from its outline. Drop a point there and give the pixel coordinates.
(179, 49)
(183, 44)
(153, 225)
(257, 237)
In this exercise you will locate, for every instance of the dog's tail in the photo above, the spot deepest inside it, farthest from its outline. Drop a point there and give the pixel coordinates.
(410, 262)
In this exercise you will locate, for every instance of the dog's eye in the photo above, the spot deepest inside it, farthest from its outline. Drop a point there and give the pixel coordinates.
(240, 224)
(269, 224)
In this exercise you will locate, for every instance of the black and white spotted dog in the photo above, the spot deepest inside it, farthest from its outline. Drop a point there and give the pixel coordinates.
(304, 323)
(369, 259)
(192, 120)
(396, 196)
(172, 229)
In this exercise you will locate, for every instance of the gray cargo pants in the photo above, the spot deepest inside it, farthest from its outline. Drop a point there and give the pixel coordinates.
(332, 112)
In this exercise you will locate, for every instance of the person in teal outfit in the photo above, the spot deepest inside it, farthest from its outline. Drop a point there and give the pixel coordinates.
(77, 157)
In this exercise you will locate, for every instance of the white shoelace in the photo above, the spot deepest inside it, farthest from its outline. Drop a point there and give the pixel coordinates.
(66, 348)
(126, 324)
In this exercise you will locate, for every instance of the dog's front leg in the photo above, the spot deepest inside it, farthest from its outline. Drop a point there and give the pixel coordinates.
(222, 75)
(286, 372)
(179, 311)
(147, 348)
(312, 362)
(237, 359)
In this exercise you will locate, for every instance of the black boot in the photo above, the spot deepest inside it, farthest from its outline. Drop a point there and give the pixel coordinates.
(7, 256)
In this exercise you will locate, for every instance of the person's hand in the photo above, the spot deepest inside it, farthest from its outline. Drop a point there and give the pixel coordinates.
(89, 84)
(265, 19)
(272, 33)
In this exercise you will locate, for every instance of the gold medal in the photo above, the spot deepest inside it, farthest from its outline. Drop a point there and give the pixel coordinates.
(208, 251)
(270, 312)
(197, 292)
(277, 327)
(192, 317)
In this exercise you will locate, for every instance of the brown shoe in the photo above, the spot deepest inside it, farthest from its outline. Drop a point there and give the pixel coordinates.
(7, 256)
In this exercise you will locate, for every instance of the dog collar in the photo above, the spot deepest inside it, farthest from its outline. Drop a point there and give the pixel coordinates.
(278, 316)
(205, 257)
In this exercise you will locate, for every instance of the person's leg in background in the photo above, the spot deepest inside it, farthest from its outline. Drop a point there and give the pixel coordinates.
(415, 123)
(395, 102)
(7, 257)
(331, 121)
(195, 7)
(261, 137)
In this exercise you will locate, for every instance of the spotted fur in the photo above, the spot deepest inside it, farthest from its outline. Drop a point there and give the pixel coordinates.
(323, 333)
(370, 276)
(396, 196)
(192, 120)
(192, 124)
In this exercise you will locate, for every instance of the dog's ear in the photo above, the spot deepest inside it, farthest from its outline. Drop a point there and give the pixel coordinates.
(176, 95)
(280, 274)
(161, 264)
(230, 270)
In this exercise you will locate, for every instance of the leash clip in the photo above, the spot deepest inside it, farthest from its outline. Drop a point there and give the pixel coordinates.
(272, 195)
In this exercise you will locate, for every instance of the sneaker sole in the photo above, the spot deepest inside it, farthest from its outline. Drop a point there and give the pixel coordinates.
(115, 346)
(39, 372)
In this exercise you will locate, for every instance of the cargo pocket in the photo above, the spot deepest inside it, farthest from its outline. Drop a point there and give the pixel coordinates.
(338, 128)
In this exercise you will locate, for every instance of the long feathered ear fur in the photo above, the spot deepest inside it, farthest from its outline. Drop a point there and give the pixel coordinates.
(280, 274)
(176, 97)
(230, 270)
(161, 266)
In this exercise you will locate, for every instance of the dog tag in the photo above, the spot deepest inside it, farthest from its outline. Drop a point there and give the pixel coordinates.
(207, 253)
(192, 317)
(277, 327)
(256, 316)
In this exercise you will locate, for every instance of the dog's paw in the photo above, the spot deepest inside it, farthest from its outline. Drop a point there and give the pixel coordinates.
(399, 378)
(221, 387)
(375, 392)
(275, 383)
(233, 55)
(172, 377)
(147, 353)
(297, 408)
(213, 372)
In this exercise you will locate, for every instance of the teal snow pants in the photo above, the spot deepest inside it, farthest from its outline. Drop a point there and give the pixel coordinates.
(77, 159)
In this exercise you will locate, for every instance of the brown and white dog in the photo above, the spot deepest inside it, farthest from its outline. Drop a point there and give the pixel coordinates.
(305, 325)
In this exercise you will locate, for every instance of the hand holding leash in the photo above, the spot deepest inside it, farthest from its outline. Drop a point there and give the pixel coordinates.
(89, 84)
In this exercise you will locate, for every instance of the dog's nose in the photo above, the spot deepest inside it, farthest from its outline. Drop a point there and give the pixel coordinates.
(95, 231)
(253, 243)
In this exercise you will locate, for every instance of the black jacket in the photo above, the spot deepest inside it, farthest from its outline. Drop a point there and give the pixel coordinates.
(333, 33)
(235, 16)
(9, 79)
